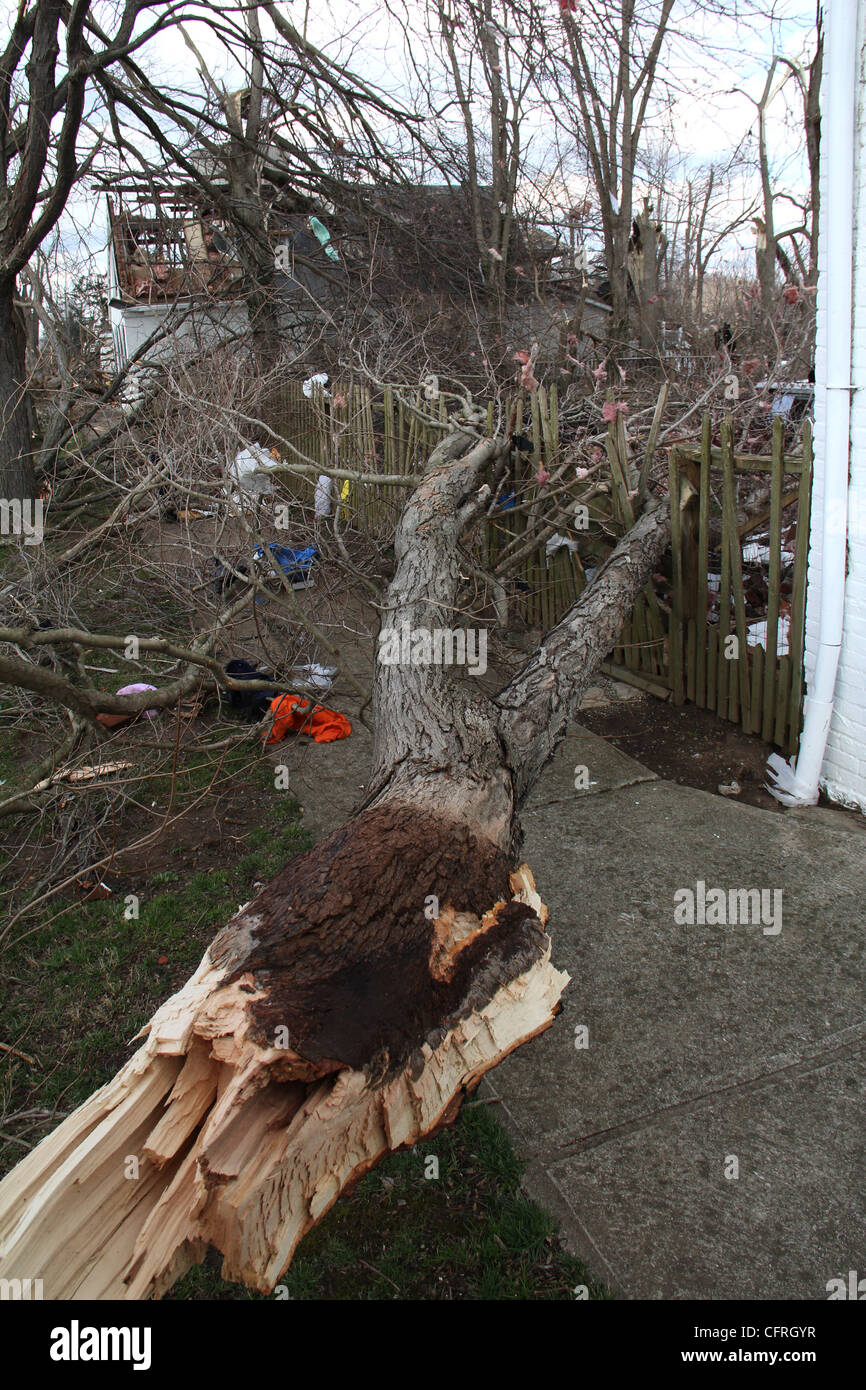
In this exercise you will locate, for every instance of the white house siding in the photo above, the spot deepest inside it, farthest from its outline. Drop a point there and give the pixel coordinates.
(844, 772)
(132, 325)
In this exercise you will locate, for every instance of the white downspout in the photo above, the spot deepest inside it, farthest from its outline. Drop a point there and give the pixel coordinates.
(796, 783)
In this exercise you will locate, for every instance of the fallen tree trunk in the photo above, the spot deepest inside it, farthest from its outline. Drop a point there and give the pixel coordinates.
(349, 1008)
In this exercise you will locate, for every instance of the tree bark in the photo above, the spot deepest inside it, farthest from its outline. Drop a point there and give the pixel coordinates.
(350, 1007)
(16, 417)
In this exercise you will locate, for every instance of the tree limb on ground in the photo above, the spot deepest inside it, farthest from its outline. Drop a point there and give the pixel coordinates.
(349, 1008)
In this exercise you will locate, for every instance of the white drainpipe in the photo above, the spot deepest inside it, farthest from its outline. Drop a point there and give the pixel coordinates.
(796, 783)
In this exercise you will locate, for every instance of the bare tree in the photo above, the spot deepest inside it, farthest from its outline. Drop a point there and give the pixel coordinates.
(612, 64)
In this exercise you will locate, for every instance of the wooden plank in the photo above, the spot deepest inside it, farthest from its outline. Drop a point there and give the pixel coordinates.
(546, 430)
(537, 436)
(743, 463)
(783, 701)
(753, 522)
(652, 441)
(757, 659)
(553, 412)
(656, 629)
(703, 562)
(676, 623)
(724, 665)
(730, 533)
(798, 596)
(712, 665)
(691, 657)
(619, 486)
(636, 678)
(644, 653)
(546, 618)
(774, 581)
(629, 470)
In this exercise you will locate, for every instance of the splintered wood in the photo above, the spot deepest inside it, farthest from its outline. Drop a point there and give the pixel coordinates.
(206, 1137)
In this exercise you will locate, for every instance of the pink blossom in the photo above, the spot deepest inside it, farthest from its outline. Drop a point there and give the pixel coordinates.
(582, 472)
(521, 356)
(340, 402)
(527, 377)
(600, 372)
(542, 477)
(611, 409)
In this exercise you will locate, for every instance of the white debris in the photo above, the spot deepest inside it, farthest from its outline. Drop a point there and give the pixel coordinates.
(556, 542)
(250, 472)
(319, 379)
(320, 677)
(322, 501)
(756, 634)
(756, 554)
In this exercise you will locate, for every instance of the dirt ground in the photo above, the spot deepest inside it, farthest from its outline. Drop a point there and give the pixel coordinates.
(687, 745)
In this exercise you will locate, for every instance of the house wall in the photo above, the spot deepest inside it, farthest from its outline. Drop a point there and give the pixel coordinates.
(844, 771)
(133, 324)
(530, 322)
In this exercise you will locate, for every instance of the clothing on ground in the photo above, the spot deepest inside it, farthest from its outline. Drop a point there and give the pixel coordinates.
(295, 715)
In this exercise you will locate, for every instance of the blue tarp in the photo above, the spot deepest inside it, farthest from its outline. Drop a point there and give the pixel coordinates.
(295, 564)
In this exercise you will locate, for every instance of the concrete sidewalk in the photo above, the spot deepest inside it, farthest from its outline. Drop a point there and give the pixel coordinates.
(707, 1044)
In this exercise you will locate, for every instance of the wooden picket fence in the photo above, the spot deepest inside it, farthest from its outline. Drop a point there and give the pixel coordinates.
(689, 638)
(713, 664)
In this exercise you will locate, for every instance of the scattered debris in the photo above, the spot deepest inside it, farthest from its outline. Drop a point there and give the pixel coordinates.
(756, 554)
(729, 788)
(293, 714)
(322, 501)
(13, 1052)
(556, 542)
(116, 721)
(93, 888)
(318, 380)
(250, 475)
(320, 677)
(756, 634)
(87, 774)
(296, 565)
(223, 578)
(252, 704)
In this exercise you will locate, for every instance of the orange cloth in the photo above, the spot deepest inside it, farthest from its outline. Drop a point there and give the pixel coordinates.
(292, 713)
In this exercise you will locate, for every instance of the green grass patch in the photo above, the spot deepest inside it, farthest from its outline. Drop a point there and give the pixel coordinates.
(470, 1233)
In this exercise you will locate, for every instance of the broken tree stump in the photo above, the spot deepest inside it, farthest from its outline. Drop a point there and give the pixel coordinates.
(281, 1073)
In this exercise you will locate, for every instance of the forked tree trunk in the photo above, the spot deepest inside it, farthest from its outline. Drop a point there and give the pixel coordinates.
(349, 1008)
